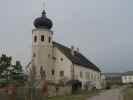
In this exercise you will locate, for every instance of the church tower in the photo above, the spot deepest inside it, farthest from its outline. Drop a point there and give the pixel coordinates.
(42, 45)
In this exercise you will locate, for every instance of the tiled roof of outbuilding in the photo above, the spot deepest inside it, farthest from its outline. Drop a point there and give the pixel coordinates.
(128, 73)
(78, 58)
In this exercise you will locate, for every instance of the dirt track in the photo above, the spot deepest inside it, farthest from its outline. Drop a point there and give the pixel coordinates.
(113, 94)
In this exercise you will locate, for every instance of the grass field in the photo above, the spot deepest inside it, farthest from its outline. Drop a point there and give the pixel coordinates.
(128, 94)
(79, 96)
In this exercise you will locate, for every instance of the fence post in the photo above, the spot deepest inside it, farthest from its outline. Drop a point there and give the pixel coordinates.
(44, 90)
(12, 92)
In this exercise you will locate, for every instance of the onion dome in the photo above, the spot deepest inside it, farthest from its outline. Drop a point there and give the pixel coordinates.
(43, 21)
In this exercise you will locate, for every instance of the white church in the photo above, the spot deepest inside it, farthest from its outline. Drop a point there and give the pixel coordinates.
(57, 61)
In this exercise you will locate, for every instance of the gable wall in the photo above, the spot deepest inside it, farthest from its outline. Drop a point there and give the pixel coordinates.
(61, 65)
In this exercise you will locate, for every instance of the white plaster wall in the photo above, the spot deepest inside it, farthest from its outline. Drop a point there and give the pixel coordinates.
(64, 65)
(103, 81)
(123, 79)
(92, 76)
(42, 50)
(127, 79)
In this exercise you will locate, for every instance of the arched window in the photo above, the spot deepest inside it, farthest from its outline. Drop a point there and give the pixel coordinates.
(42, 72)
(35, 38)
(81, 74)
(61, 73)
(53, 71)
(42, 38)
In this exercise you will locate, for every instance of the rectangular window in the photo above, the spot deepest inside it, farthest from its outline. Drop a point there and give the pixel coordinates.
(86, 75)
(91, 76)
(81, 74)
(53, 72)
(61, 73)
(54, 58)
(61, 59)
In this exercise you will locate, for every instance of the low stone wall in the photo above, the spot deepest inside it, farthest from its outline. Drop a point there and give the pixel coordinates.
(38, 92)
(58, 90)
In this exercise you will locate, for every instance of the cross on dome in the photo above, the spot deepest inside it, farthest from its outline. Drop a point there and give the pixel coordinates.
(43, 21)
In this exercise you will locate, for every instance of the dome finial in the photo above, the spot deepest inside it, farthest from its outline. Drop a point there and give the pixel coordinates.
(44, 12)
(43, 21)
(43, 5)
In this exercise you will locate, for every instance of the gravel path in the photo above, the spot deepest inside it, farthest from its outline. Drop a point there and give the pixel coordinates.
(113, 94)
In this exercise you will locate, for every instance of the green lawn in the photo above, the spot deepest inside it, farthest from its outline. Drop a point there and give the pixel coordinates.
(128, 94)
(78, 96)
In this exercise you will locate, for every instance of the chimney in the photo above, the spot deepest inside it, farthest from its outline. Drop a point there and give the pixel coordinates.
(72, 50)
(78, 50)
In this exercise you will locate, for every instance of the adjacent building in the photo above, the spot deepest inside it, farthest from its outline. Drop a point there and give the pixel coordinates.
(127, 77)
(113, 78)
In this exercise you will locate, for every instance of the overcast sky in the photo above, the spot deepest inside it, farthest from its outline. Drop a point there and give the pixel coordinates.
(102, 29)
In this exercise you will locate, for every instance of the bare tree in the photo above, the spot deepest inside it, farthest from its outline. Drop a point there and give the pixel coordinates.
(31, 82)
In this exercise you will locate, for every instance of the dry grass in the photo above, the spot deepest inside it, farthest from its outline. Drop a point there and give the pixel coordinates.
(128, 94)
(80, 96)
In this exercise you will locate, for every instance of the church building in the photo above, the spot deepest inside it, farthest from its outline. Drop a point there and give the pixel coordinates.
(58, 62)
